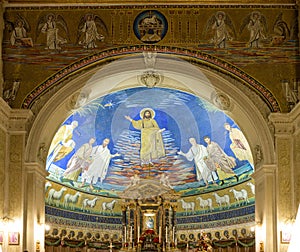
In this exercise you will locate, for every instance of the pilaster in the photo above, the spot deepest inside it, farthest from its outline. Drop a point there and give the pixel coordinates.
(1, 39)
(13, 191)
(287, 148)
(34, 217)
(265, 208)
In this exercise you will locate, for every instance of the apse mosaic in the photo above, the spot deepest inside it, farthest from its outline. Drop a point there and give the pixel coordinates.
(149, 133)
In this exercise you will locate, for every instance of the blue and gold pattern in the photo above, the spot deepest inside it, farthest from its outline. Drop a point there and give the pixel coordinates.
(150, 26)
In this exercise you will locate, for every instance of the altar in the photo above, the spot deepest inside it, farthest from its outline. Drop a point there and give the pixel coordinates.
(149, 216)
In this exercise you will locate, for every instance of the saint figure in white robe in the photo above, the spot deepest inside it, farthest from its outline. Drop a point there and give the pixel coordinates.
(198, 153)
(98, 168)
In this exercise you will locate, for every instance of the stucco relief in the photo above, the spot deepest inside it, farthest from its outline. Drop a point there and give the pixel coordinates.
(15, 174)
(258, 155)
(284, 176)
(2, 164)
(42, 153)
(222, 101)
(78, 99)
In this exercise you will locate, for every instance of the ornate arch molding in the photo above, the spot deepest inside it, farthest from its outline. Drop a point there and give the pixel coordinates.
(193, 56)
(252, 102)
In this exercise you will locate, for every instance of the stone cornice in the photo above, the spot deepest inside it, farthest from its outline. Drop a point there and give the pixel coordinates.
(286, 123)
(36, 168)
(4, 114)
(18, 119)
(13, 119)
(264, 170)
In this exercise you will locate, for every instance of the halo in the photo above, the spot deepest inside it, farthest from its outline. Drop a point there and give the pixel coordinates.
(19, 20)
(220, 13)
(255, 12)
(88, 14)
(151, 112)
(50, 14)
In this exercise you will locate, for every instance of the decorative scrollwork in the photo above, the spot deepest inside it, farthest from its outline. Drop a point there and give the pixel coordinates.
(150, 78)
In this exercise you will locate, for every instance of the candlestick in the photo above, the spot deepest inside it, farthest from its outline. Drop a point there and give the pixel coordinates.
(173, 234)
(159, 234)
(287, 89)
(166, 234)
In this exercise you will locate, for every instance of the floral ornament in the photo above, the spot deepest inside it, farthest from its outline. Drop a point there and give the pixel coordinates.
(203, 243)
(149, 236)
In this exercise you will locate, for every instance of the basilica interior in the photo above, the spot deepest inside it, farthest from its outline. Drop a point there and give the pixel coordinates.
(149, 126)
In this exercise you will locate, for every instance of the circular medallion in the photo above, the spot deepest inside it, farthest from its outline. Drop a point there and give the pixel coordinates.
(191, 236)
(150, 26)
(182, 237)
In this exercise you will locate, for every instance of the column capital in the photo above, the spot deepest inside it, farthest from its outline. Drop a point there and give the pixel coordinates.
(14, 120)
(18, 119)
(264, 170)
(36, 168)
(286, 124)
(4, 113)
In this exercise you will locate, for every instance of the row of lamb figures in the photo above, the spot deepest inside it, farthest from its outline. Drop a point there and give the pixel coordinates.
(240, 198)
(87, 204)
(219, 27)
(69, 201)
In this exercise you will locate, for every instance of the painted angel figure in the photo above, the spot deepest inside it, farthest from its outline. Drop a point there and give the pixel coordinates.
(19, 32)
(257, 25)
(222, 28)
(51, 25)
(89, 27)
(281, 31)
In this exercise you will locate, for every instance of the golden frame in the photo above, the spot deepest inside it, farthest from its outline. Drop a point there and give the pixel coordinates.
(13, 238)
(285, 236)
(149, 220)
(1, 237)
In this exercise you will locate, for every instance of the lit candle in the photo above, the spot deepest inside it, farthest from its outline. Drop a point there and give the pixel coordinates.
(287, 89)
(138, 233)
(173, 233)
(295, 85)
(159, 234)
(166, 233)
(125, 234)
